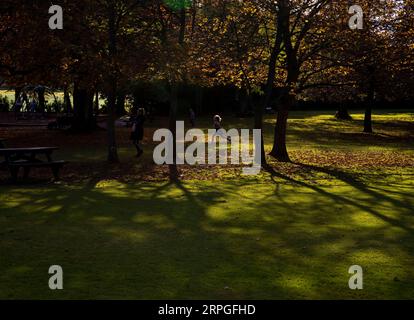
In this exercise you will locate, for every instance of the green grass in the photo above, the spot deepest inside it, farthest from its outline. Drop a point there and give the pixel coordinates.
(7, 93)
(59, 95)
(11, 95)
(269, 237)
(261, 240)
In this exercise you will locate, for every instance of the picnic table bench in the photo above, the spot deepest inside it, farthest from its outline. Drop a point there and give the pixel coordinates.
(28, 158)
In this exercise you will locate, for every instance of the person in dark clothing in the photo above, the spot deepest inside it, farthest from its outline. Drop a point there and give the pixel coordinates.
(217, 122)
(137, 133)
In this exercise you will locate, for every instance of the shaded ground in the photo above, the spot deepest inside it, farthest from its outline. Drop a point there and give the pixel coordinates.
(204, 240)
(124, 232)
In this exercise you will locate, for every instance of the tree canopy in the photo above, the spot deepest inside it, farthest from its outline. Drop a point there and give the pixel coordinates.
(283, 51)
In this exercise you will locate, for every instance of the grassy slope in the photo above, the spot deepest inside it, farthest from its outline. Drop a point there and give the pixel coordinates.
(266, 237)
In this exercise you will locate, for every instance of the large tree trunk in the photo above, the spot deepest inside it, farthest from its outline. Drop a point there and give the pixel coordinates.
(17, 92)
(96, 103)
(279, 150)
(174, 102)
(173, 171)
(120, 104)
(342, 113)
(368, 120)
(83, 119)
(42, 100)
(271, 75)
(66, 98)
(368, 111)
(112, 147)
(258, 124)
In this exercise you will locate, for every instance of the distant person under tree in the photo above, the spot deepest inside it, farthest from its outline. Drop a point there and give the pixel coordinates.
(217, 126)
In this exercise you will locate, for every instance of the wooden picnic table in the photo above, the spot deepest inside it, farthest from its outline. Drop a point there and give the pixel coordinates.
(28, 158)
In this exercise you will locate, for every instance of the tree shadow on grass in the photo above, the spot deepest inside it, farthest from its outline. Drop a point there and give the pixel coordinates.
(386, 134)
(350, 180)
(180, 241)
(148, 242)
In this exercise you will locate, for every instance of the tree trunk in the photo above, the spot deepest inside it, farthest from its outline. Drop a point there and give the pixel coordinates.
(342, 113)
(66, 98)
(42, 101)
(258, 124)
(173, 171)
(120, 104)
(368, 120)
(368, 111)
(96, 105)
(271, 73)
(112, 147)
(17, 92)
(82, 110)
(279, 150)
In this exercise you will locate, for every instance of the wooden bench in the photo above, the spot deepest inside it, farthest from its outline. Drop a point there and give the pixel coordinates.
(28, 158)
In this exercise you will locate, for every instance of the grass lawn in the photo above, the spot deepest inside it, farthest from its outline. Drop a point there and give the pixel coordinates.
(7, 93)
(346, 200)
(59, 95)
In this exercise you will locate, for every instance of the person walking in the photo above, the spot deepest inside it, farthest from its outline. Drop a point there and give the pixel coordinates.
(217, 126)
(217, 122)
